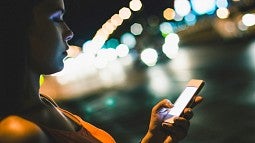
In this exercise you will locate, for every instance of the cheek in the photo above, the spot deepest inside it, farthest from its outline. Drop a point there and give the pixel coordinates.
(50, 36)
(47, 39)
(44, 46)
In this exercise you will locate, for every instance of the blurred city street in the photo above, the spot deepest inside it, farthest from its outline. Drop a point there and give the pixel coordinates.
(226, 115)
(118, 96)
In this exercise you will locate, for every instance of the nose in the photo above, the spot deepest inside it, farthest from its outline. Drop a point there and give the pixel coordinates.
(68, 33)
(69, 36)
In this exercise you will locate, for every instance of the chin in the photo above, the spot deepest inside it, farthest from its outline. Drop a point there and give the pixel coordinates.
(55, 70)
(60, 68)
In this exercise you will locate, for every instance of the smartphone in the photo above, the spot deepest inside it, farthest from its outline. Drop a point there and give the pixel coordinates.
(193, 87)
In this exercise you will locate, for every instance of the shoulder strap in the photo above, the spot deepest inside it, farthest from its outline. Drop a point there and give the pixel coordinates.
(48, 100)
(70, 116)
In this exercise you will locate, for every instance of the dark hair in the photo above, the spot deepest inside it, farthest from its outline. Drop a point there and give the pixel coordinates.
(16, 16)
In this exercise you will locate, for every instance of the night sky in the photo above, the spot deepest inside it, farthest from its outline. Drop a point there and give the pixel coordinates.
(85, 17)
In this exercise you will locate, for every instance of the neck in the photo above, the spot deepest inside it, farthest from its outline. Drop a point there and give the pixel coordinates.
(32, 85)
(22, 95)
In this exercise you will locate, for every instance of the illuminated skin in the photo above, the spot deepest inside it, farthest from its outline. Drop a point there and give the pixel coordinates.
(172, 133)
(48, 36)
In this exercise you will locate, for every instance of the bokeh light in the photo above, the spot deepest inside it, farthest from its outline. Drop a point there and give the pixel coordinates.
(222, 13)
(135, 5)
(172, 38)
(190, 19)
(170, 50)
(136, 28)
(248, 19)
(182, 7)
(165, 28)
(116, 20)
(149, 56)
(203, 6)
(122, 50)
(125, 13)
(169, 14)
(128, 39)
(222, 3)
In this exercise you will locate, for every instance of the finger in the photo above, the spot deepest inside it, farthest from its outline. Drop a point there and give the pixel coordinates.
(178, 133)
(197, 100)
(160, 106)
(187, 113)
(167, 127)
(168, 140)
(180, 128)
(181, 122)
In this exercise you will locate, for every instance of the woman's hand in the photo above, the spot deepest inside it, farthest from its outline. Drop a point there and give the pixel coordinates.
(169, 133)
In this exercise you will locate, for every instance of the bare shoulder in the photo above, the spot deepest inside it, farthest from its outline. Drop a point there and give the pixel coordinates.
(15, 129)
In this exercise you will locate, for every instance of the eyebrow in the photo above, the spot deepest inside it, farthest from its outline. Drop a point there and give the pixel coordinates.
(59, 10)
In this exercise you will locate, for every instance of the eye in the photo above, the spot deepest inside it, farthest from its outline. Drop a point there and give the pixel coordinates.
(57, 17)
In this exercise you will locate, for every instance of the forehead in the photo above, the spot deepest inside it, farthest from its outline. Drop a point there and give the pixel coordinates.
(50, 5)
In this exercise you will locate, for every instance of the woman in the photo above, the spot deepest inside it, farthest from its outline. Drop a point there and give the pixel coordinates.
(35, 42)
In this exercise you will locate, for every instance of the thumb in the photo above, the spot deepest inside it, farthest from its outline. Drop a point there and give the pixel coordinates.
(162, 106)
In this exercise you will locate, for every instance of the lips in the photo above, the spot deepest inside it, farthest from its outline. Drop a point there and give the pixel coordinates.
(65, 53)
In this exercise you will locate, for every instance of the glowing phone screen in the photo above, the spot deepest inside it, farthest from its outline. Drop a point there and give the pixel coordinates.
(192, 88)
(182, 101)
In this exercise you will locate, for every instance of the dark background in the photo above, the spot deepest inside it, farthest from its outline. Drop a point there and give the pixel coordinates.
(85, 17)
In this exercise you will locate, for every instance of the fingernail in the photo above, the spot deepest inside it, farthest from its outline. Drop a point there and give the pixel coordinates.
(198, 99)
(162, 110)
(168, 101)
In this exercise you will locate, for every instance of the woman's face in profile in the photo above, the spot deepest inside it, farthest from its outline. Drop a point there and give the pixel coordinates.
(48, 37)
